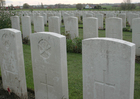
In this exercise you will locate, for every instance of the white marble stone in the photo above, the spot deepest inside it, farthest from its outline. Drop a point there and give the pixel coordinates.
(15, 22)
(90, 27)
(108, 68)
(123, 16)
(38, 23)
(89, 15)
(58, 14)
(136, 34)
(49, 61)
(49, 15)
(114, 28)
(12, 62)
(108, 15)
(132, 16)
(26, 26)
(32, 18)
(45, 18)
(71, 27)
(100, 21)
(54, 24)
(65, 15)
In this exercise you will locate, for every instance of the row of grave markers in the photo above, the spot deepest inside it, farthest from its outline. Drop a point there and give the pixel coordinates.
(90, 27)
(98, 14)
(108, 66)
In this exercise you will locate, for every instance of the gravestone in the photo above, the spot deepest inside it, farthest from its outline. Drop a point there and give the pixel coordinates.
(90, 27)
(108, 15)
(114, 28)
(89, 15)
(26, 26)
(123, 16)
(58, 14)
(54, 24)
(100, 21)
(12, 62)
(71, 27)
(65, 15)
(15, 22)
(49, 15)
(49, 61)
(136, 34)
(38, 23)
(108, 68)
(132, 16)
(45, 18)
(32, 18)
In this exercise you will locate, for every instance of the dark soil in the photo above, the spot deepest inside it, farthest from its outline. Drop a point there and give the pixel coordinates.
(5, 95)
(137, 59)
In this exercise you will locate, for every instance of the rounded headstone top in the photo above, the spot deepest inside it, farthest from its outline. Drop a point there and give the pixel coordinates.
(37, 14)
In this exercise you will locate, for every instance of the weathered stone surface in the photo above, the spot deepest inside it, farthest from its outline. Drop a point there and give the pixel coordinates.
(71, 27)
(100, 21)
(108, 68)
(123, 16)
(45, 18)
(38, 23)
(49, 61)
(114, 28)
(132, 16)
(90, 27)
(136, 34)
(54, 24)
(26, 26)
(15, 22)
(12, 62)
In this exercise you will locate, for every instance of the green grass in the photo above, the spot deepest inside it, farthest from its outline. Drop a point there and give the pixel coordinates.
(137, 81)
(28, 66)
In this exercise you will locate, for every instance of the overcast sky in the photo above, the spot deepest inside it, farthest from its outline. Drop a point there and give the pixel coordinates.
(38, 2)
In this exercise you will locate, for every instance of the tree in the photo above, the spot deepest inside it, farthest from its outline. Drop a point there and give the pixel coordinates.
(127, 5)
(11, 7)
(97, 7)
(2, 3)
(42, 5)
(79, 6)
(26, 5)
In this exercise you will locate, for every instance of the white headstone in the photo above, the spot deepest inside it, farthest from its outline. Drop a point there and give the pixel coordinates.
(100, 21)
(26, 26)
(89, 15)
(108, 68)
(136, 34)
(65, 15)
(71, 27)
(108, 15)
(132, 16)
(123, 16)
(90, 27)
(45, 18)
(54, 24)
(49, 61)
(15, 22)
(12, 62)
(38, 23)
(58, 14)
(49, 15)
(114, 28)
(32, 17)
